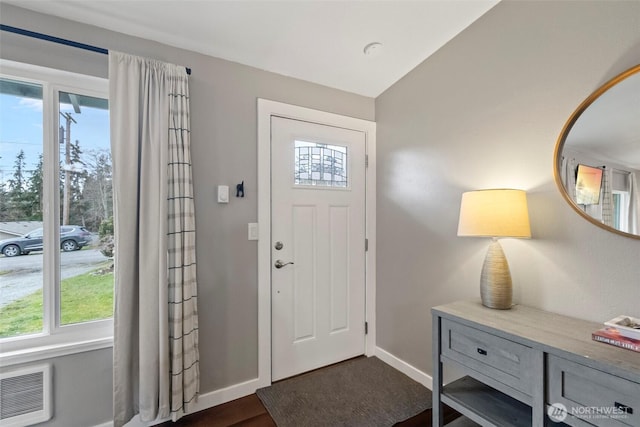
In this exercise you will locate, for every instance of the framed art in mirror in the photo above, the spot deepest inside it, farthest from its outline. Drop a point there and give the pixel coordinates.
(597, 156)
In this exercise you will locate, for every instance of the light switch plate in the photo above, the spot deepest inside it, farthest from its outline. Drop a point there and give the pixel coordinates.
(253, 231)
(223, 194)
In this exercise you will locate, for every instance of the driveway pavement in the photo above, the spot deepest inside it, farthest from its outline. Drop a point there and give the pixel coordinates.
(22, 275)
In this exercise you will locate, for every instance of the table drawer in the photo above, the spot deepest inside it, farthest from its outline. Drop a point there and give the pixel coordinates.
(594, 396)
(502, 360)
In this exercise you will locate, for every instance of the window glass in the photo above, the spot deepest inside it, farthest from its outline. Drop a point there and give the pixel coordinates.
(36, 233)
(21, 186)
(321, 165)
(616, 210)
(83, 175)
(620, 210)
(86, 209)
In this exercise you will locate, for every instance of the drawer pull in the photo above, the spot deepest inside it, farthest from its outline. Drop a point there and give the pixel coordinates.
(482, 352)
(624, 408)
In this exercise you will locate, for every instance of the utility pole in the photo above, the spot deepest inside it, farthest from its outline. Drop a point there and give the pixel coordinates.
(66, 205)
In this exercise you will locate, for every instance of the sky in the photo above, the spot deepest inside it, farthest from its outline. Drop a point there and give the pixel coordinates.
(21, 129)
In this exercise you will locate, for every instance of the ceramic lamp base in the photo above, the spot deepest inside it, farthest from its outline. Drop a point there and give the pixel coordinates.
(496, 290)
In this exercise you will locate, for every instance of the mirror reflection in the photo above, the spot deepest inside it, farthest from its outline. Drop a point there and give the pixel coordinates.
(598, 156)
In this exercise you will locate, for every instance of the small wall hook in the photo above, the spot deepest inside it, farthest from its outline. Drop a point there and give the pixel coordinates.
(240, 189)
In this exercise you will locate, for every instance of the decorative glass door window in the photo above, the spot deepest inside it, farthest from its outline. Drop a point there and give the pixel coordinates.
(321, 165)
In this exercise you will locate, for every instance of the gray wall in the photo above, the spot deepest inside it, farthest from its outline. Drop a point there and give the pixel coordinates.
(223, 120)
(484, 112)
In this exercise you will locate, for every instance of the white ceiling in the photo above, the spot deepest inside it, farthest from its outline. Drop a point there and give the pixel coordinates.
(317, 41)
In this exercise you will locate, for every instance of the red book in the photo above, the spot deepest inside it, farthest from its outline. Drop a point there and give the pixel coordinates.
(612, 336)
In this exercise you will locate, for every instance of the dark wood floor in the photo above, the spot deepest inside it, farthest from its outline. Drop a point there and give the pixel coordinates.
(250, 412)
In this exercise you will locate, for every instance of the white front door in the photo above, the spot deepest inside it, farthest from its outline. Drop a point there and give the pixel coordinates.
(318, 245)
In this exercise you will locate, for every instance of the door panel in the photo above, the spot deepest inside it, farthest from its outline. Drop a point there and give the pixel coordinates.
(304, 290)
(339, 267)
(318, 213)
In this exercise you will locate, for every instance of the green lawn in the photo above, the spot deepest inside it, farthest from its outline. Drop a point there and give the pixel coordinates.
(22, 316)
(85, 297)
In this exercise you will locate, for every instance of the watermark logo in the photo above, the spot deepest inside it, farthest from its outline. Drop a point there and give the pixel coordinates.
(557, 412)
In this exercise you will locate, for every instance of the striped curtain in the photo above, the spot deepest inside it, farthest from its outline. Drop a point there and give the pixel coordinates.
(633, 218)
(155, 353)
(183, 310)
(607, 197)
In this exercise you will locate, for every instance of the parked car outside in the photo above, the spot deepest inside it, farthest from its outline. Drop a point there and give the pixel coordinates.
(72, 238)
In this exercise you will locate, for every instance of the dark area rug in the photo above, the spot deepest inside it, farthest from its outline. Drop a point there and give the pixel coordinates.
(359, 392)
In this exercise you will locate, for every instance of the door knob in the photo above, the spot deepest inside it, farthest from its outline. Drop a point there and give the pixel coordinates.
(280, 264)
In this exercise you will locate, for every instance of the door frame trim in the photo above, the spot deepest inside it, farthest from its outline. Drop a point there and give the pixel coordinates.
(267, 109)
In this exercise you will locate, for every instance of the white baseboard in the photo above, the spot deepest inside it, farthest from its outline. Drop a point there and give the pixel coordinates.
(205, 401)
(407, 369)
(218, 397)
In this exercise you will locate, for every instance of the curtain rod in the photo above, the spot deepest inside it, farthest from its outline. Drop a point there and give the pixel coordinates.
(58, 40)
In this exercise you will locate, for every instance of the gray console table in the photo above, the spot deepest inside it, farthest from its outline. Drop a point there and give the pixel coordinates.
(522, 364)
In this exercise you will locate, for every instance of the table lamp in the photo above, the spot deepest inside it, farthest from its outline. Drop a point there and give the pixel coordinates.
(495, 213)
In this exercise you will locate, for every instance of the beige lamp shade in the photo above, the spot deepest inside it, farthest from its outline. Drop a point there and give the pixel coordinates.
(494, 213)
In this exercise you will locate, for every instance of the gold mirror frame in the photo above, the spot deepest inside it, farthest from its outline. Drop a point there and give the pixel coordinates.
(557, 156)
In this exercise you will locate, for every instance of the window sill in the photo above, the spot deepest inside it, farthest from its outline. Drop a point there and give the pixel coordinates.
(34, 354)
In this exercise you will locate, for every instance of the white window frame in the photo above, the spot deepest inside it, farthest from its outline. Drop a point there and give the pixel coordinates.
(55, 339)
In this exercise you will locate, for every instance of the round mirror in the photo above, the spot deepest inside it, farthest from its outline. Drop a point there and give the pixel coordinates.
(597, 157)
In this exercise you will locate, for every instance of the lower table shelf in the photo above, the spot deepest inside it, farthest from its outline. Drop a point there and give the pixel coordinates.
(482, 403)
(462, 422)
